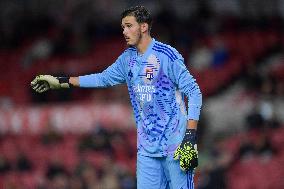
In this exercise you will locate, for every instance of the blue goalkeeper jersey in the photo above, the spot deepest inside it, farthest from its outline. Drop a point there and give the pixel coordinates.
(157, 82)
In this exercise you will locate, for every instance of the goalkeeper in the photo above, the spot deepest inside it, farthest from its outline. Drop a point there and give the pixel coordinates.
(157, 79)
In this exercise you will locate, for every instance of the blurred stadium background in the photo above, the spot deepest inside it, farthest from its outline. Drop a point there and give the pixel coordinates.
(86, 138)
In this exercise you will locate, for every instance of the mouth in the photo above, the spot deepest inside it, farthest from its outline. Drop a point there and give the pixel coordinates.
(126, 38)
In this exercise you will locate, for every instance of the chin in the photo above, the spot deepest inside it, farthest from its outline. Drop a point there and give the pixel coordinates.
(129, 43)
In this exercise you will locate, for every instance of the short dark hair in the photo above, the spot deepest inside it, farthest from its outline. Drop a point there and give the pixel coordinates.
(141, 14)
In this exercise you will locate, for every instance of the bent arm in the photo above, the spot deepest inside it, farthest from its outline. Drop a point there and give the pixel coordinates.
(192, 124)
(187, 85)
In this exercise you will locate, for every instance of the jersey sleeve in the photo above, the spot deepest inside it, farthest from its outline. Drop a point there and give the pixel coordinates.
(111, 76)
(185, 82)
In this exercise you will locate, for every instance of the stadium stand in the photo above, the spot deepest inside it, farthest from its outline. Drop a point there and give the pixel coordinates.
(77, 154)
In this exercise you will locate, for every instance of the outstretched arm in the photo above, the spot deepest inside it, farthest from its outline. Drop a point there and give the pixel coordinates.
(74, 81)
(43, 83)
(113, 75)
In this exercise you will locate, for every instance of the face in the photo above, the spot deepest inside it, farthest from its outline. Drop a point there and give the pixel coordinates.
(132, 30)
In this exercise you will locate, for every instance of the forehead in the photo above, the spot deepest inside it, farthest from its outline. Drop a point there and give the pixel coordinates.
(128, 19)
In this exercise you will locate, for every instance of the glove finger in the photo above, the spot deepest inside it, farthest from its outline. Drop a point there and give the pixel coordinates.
(191, 164)
(38, 90)
(35, 87)
(46, 86)
(182, 164)
(176, 156)
(194, 162)
(36, 80)
(40, 87)
(43, 88)
(177, 153)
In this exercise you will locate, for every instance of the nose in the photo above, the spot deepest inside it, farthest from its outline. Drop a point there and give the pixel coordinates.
(124, 31)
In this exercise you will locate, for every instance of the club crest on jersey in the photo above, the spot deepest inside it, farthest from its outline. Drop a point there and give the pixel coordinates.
(149, 73)
(151, 69)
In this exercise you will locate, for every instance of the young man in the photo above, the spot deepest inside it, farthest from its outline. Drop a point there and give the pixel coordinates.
(157, 79)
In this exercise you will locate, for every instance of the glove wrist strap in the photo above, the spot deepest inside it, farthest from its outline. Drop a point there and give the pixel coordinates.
(64, 82)
(190, 135)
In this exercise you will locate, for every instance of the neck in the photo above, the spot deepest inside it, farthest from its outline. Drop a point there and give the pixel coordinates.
(144, 43)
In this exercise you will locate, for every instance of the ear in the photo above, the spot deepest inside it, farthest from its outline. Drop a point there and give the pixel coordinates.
(144, 27)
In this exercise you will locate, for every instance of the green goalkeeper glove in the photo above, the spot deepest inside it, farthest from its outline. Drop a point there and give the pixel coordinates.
(187, 151)
(43, 83)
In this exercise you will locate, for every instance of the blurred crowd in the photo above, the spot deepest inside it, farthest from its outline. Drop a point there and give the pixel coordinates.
(234, 48)
(102, 159)
(74, 26)
(244, 149)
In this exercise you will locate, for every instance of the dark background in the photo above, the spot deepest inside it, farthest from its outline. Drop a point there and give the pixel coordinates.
(234, 48)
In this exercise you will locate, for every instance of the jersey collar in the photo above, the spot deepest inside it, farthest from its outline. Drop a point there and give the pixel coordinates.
(148, 50)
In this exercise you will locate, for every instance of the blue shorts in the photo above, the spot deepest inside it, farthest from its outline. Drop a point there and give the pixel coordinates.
(162, 173)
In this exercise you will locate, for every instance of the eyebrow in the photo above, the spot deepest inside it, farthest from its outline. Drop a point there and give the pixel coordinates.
(127, 23)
